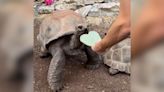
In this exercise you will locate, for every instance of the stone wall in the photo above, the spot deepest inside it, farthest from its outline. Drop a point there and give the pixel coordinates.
(98, 13)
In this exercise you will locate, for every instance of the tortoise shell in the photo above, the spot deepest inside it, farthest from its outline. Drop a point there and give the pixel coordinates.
(59, 24)
(119, 57)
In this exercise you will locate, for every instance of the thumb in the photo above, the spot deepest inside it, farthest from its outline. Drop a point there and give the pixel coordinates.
(100, 46)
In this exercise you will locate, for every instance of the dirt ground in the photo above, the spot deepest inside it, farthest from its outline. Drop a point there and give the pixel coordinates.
(77, 78)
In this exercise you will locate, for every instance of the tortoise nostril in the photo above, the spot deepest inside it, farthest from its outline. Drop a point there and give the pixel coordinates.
(80, 27)
(86, 30)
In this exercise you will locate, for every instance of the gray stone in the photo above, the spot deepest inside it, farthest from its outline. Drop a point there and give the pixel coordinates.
(99, 1)
(80, 2)
(103, 9)
(107, 21)
(90, 87)
(94, 14)
(94, 20)
(69, 1)
(89, 2)
(92, 1)
(107, 1)
(43, 9)
(65, 6)
(107, 5)
(84, 10)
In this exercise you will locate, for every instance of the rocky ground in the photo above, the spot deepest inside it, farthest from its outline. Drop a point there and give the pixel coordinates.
(79, 79)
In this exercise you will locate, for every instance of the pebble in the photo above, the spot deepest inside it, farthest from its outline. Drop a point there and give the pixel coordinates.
(84, 10)
(90, 87)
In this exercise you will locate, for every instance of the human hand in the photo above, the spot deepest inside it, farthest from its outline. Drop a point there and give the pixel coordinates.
(148, 29)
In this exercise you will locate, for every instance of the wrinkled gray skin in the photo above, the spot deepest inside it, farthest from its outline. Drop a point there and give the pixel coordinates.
(64, 47)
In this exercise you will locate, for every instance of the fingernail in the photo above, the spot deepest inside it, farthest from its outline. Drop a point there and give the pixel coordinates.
(93, 47)
(96, 47)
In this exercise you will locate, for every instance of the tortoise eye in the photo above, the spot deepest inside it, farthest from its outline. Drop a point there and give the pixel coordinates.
(48, 29)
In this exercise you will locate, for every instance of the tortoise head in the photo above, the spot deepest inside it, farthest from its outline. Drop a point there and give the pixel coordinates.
(75, 41)
(81, 30)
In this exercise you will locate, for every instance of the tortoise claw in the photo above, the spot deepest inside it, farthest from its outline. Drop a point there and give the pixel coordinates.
(113, 71)
(58, 88)
(44, 55)
(92, 67)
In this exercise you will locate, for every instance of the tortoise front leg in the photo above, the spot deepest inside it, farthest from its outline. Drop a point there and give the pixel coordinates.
(94, 59)
(55, 72)
(44, 53)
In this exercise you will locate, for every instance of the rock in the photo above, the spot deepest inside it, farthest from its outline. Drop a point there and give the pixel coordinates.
(84, 10)
(40, 8)
(90, 87)
(103, 6)
(94, 20)
(39, 0)
(99, 1)
(69, 1)
(45, 9)
(104, 9)
(65, 6)
(66, 87)
(108, 1)
(99, 24)
(80, 2)
(89, 2)
(106, 5)
(92, 1)
(107, 21)
(94, 14)
(102, 13)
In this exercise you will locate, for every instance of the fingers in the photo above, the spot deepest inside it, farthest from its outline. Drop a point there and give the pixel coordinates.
(97, 47)
(100, 46)
(118, 32)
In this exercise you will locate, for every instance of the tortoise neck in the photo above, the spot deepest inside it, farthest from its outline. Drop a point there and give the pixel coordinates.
(53, 49)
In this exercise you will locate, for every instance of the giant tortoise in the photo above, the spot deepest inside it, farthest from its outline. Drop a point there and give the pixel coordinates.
(59, 36)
